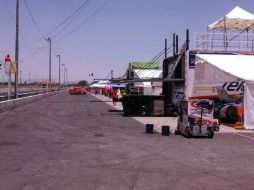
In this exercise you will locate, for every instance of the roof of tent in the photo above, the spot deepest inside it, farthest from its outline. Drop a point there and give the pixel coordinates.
(241, 66)
(148, 73)
(100, 84)
(236, 19)
(115, 85)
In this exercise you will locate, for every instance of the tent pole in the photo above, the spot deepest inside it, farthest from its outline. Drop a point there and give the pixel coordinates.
(252, 41)
(247, 39)
(225, 34)
(212, 41)
(242, 104)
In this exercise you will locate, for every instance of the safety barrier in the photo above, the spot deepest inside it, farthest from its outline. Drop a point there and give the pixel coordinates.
(11, 104)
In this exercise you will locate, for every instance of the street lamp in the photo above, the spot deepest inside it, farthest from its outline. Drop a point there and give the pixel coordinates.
(49, 83)
(20, 81)
(59, 60)
(64, 73)
(17, 49)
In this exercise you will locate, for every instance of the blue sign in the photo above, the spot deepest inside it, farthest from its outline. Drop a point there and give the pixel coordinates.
(192, 56)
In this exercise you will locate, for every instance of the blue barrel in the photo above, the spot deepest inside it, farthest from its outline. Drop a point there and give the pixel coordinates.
(165, 130)
(149, 128)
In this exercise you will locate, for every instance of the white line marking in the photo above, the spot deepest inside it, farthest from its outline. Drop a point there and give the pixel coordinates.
(105, 146)
(245, 136)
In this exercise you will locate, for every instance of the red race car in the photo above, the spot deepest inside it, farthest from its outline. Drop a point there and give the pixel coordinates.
(77, 90)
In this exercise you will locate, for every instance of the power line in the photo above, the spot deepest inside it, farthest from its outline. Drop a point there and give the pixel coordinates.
(152, 61)
(73, 17)
(12, 19)
(84, 4)
(108, 75)
(69, 17)
(8, 11)
(33, 20)
(86, 20)
(156, 58)
(22, 35)
(35, 51)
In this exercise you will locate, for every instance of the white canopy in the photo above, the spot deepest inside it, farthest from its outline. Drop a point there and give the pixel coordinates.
(217, 68)
(236, 19)
(241, 66)
(149, 87)
(146, 74)
(100, 84)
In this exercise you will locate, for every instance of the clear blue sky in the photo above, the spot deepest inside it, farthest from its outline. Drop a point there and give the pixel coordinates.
(121, 32)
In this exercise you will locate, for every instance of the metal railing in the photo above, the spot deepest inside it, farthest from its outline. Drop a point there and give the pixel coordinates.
(224, 42)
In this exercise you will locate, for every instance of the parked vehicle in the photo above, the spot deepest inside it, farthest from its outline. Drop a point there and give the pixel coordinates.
(195, 118)
(77, 91)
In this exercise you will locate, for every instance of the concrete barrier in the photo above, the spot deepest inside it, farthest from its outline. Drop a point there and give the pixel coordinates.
(12, 104)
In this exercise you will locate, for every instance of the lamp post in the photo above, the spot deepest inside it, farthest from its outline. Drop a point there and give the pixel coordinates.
(59, 61)
(64, 73)
(49, 82)
(17, 50)
(20, 81)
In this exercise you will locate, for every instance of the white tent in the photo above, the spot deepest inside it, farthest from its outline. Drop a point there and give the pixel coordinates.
(100, 84)
(236, 19)
(241, 66)
(215, 69)
(150, 88)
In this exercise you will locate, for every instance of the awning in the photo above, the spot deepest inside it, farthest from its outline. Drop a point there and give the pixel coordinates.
(100, 84)
(114, 85)
(147, 74)
(236, 19)
(241, 66)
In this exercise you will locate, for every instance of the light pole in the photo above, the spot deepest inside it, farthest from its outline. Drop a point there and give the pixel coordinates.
(20, 81)
(17, 50)
(49, 82)
(64, 73)
(59, 60)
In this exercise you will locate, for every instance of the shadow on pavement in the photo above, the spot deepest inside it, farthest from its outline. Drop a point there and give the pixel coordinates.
(115, 110)
(100, 101)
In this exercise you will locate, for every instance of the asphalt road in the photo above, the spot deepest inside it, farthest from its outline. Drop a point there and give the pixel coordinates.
(69, 142)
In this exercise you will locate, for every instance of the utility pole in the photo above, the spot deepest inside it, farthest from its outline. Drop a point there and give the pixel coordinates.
(112, 74)
(29, 78)
(174, 44)
(166, 48)
(17, 50)
(49, 82)
(20, 81)
(188, 39)
(59, 61)
(64, 73)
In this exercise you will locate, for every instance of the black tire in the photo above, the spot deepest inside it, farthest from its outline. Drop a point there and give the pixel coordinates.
(187, 133)
(216, 128)
(210, 133)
